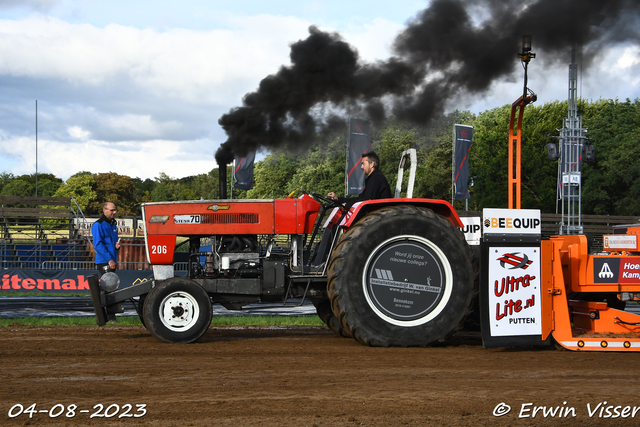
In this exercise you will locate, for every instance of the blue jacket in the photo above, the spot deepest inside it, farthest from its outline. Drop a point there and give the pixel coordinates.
(105, 236)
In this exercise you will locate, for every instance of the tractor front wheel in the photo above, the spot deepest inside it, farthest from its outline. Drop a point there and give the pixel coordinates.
(177, 310)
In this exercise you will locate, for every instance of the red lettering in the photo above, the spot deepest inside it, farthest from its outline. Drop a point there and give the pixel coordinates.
(82, 283)
(69, 285)
(48, 284)
(531, 301)
(15, 283)
(498, 315)
(5, 283)
(512, 284)
(517, 307)
(28, 284)
(509, 308)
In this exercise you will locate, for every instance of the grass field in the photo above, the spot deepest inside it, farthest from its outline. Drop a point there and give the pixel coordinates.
(134, 320)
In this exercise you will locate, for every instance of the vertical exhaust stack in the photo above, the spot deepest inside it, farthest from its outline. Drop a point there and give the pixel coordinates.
(222, 177)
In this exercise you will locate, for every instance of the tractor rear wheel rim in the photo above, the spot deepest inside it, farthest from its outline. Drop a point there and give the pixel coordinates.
(407, 280)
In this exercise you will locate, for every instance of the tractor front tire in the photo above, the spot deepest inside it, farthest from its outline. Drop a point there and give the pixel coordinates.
(401, 276)
(177, 310)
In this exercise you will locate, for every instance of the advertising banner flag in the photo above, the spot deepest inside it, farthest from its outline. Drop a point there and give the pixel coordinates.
(358, 144)
(243, 171)
(462, 136)
(61, 281)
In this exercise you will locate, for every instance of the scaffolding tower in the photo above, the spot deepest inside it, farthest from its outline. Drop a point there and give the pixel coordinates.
(572, 140)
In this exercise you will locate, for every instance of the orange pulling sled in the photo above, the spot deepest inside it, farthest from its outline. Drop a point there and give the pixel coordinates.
(583, 296)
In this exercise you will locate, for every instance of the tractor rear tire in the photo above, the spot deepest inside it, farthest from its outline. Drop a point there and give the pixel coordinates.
(323, 308)
(401, 276)
(177, 310)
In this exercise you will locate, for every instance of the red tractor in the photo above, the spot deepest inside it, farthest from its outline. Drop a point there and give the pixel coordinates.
(397, 272)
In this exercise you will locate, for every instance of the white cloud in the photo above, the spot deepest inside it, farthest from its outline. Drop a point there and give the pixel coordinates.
(373, 39)
(142, 126)
(629, 57)
(18, 153)
(135, 159)
(143, 101)
(77, 132)
(196, 66)
(152, 95)
(613, 75)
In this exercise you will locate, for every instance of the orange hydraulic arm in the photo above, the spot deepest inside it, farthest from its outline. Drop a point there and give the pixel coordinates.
(514, 139)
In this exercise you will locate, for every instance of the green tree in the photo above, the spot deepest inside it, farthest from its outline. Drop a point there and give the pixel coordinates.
(539, 175)
(25, 185)
(167, 189)
(322, 169)
(389, 144)
(18, 187)
(273, 176)
(206, 185)
(5, 178)
(489, 157)
(611, 185)
(80, 186)
(143, 189)
(435, 152)
(118, 189)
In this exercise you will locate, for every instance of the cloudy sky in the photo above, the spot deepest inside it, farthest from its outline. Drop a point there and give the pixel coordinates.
(137, 87)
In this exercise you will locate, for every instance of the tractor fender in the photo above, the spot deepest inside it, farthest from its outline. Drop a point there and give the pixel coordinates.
(361, 209)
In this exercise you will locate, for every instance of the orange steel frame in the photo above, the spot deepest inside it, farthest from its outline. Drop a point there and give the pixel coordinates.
(567, 278)
(515, 138)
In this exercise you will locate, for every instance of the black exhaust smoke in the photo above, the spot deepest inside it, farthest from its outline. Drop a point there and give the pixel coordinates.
(454, 49)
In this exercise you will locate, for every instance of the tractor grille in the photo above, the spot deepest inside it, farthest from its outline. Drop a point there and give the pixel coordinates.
(227, 218)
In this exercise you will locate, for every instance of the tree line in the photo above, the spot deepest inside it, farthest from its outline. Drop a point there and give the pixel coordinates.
(610, 184)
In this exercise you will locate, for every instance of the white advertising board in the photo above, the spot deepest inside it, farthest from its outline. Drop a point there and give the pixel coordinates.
(125, 226)
(514, 291)
(472, 229)
(620, 241)
(511, 221)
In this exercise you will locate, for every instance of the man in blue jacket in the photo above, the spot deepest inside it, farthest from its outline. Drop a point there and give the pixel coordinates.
(105, 239)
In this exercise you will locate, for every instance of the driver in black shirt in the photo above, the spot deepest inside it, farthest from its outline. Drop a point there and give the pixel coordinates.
(376, 185)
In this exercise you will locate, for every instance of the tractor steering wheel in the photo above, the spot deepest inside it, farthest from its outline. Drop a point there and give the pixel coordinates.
(326, 202)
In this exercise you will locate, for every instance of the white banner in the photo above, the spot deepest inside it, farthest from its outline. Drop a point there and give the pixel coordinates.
(511, 221)
(620, 241)
(125, 226)
(514, 291)
(472, 229)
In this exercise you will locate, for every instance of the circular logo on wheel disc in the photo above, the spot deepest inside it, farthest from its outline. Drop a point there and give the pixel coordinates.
(404, 280)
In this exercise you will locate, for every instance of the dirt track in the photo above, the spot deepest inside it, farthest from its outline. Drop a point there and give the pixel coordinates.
(300, 377)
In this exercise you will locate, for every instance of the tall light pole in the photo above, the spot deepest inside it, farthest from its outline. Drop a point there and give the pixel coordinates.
(36, 148)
